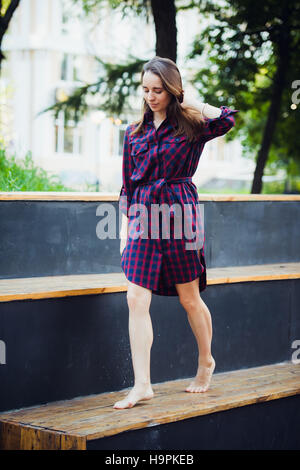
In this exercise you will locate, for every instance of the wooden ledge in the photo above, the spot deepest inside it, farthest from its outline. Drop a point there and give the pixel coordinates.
(102, 196)
(70, 423)
(253, 273)
(61, 286)
(86, 284)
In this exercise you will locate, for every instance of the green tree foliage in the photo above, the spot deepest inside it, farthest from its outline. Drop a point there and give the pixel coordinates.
(116, 83)
(253, 49)
(140, 7)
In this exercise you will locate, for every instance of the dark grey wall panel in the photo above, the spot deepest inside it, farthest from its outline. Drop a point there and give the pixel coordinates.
(42, 238)
(273, 425)
(295, 320)
(251, 232)
(61, 348)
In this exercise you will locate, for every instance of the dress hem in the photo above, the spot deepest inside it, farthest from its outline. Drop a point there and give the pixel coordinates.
(156, 292)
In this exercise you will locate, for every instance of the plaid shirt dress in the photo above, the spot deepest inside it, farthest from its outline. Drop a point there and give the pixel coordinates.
(157, 169)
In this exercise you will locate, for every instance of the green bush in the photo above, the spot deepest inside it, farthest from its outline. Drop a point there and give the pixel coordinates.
(222, 191)
(270, 187)
(279, 187)
(273, 187)
(23, 175)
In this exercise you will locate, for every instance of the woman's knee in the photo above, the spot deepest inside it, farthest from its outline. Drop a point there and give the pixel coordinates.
(138, 298)
(137, 302)
(190, 304)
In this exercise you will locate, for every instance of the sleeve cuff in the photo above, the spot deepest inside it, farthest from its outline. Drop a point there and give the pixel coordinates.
(225, 111)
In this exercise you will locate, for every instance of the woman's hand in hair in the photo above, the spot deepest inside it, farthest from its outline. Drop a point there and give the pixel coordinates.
(181, 97)
(206, 110)
(188, 101)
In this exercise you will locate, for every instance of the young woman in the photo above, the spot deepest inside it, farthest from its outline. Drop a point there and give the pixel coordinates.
(161, 154)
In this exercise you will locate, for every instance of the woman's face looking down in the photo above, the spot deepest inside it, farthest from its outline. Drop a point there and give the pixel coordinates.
(155, 95)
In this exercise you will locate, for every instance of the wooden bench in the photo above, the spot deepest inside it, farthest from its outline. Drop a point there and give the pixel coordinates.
(85, 284)
(73, 424)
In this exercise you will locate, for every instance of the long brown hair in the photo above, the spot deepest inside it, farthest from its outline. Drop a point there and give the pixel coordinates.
(189, 119)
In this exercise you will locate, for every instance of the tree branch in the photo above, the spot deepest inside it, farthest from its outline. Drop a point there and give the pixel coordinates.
(9, 13)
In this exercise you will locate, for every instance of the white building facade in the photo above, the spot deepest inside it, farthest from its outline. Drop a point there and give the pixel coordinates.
(51, 51)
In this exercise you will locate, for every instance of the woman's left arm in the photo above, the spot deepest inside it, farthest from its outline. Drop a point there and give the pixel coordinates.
(218, 121)
(207, 110)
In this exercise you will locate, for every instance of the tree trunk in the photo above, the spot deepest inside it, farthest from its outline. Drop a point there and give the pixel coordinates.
(4, 23)
(164, 15)
(279, 85)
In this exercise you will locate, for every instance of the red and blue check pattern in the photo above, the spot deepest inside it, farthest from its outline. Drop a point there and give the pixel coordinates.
(157, 169)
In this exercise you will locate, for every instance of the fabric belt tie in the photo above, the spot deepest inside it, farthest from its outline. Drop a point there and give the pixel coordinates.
(157, 185)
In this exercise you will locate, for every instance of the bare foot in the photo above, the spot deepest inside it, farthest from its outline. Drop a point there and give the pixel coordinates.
(202, 380)
(137, 393)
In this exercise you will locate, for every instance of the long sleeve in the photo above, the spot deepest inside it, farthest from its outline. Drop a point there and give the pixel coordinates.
(215, 127)
(128, 187)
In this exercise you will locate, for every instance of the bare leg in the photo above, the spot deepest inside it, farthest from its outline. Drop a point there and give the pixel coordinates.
(200, 321)
(141, 339)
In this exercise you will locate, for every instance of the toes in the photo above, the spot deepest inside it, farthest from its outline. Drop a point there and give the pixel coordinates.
(121, 406)
(195, 389)
(191, 390)
(118, 405)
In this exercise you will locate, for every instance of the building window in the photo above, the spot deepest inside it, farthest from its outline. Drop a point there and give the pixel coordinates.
(120, 131)
(70, 68)
(68, 137)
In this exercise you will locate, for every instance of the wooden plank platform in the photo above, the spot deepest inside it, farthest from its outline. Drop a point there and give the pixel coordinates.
(85, 284)
(104, 196)
(70, 424)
